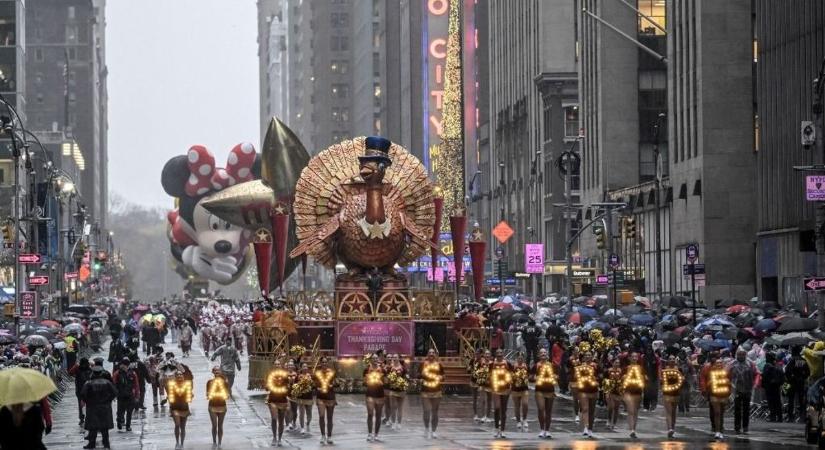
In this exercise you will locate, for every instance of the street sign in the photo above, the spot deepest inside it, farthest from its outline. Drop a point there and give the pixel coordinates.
(497, 281)
(38, 280)
(70, 276)
(602, 279)
(692, 252)
(29, 258)
(814, 284)
(698, 269)
(619, 278)
(503, 231)
(815, 188)
(614, 261)
(28, 305)
(584, 273)
(534, 258)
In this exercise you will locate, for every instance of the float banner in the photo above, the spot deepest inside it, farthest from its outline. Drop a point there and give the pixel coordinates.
(361, 338)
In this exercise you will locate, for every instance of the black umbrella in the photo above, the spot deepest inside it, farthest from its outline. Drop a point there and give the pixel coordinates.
(7, 339)
(669, 337)
(677, 301)
(797, 324)
(630, 310)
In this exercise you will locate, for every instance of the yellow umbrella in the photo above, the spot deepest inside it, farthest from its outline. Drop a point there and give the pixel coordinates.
(20, 385)
(147, 318)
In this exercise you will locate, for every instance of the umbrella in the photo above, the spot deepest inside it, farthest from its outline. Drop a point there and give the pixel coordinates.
(644, 302)
(715, 322)
(73, 327)
(36, 341)
(642, 319)
(669, 337)
(729, 302)
(50, 324)
(613, 312)
(574, 318)
(677, 301)
(7, 339)
(737, 309)
(682, 330)
(580, 299)
(589, 312)
(797, 324)
(630, 310)
(596, 324)
(45, 333)
(20, 385)
(709, 345)
(147, 318)
(790, 339)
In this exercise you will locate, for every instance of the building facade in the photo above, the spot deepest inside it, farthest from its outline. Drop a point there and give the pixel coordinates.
(66, 83)
(532, 82)
(787, 56)
(702, 96)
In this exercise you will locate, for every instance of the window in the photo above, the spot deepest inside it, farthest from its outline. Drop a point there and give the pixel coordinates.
(339, 67)
(571, 121)
(38, 54)
(377, 126)
(655, 9)
(339, 43)
(376, 64)
(340, 114)
(339, 20)
(71, 34)
(376, 95)
(71, 12)
(340, 90)
(72, 54)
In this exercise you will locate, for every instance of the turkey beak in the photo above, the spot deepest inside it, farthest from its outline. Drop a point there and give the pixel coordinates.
(366, 171)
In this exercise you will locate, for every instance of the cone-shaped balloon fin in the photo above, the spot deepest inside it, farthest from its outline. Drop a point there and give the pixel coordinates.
(283, 159)
(246, 205)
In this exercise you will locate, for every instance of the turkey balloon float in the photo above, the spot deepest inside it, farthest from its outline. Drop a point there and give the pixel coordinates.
(206, 244)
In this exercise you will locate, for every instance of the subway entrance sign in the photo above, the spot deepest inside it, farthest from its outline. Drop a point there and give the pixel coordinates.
(584, 273)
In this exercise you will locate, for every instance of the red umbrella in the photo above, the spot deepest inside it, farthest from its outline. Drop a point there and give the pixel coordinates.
(590, 302)
(738, 309)
(574, 318)
(502, 306)
(50, 323)
(680, 331)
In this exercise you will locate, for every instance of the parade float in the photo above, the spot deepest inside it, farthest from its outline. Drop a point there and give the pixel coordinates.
(368, 205)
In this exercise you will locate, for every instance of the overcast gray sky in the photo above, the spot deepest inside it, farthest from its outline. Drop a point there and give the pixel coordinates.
(181, 72)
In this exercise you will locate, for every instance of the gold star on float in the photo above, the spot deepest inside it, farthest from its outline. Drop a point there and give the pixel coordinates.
(262, 235)
(477, 235)
(279, 209)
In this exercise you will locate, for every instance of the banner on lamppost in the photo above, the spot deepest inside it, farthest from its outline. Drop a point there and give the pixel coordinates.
(29, 309)
(534, 258)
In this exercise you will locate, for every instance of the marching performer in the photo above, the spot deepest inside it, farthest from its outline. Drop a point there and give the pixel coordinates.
(587, 385)
(324, 381)
(432, 375)
(216, 392)
(301, 394)
(715, 383)
(633, 385)
(206, 338)
(475, 364)
(546, 381)
(672, 382)
(277, 383)
(501, 379)
(292, 412)
(397, 382)
(612, 388)
(374, 380)
(519, 391)
(179, 394)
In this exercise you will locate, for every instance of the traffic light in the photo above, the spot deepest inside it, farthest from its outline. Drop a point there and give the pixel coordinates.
(600, 237)
(7, 233)
(630, 228)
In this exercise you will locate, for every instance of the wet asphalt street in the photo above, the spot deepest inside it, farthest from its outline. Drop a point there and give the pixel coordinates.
(247, 426)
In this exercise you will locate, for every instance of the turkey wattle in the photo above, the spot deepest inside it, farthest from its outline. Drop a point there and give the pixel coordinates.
(365, 202)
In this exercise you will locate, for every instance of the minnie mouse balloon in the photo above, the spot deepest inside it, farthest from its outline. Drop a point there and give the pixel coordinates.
(210, 246)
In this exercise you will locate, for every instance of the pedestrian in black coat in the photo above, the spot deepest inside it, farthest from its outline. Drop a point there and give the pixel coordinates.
(772, 381)
(29, 434)
(98, 394)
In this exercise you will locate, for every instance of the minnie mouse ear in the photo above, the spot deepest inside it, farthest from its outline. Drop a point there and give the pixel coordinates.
(174, 176)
